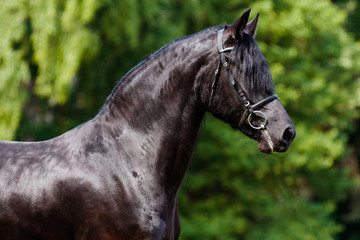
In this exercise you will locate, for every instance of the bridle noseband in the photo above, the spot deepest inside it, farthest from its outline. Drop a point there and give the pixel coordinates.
(250, 109)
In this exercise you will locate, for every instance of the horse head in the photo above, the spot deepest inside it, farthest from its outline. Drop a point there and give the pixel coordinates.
(242, 89)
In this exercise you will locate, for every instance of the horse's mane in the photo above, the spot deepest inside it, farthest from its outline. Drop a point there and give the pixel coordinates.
(152, 57)
(253, 70)
(251, 66)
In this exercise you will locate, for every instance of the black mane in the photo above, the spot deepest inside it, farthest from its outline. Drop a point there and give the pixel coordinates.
(252, 69)
(154, 56)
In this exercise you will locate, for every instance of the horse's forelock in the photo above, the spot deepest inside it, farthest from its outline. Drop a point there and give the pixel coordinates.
(252, 68)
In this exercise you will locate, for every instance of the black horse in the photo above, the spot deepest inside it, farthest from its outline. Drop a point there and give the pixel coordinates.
(117, 176)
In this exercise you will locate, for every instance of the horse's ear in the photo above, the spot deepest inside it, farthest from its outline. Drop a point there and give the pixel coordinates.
(235, 31)
(252, 25)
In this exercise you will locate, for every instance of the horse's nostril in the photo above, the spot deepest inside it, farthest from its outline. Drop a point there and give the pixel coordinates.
(288, 135)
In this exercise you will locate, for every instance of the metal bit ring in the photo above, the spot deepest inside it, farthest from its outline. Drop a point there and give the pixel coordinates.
(262, 126)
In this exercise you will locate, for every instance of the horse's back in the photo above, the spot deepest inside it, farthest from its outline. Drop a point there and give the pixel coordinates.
(30, 159)
(31, 191)
(56, 190)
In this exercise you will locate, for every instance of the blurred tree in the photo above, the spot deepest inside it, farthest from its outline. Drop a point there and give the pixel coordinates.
(60, 59)
(349, 210)
(352, 7)
(15, 73)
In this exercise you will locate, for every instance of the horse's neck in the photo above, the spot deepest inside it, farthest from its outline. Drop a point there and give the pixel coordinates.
(157, 106)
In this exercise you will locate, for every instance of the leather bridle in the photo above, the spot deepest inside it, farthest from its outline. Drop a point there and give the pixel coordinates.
(250, 109)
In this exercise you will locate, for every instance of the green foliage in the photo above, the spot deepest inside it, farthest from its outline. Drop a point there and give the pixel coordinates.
(247, 195)
(61, 40)
(61, 58)
(14, 70)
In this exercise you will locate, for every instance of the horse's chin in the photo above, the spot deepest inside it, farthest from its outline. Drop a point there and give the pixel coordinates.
(264, 147)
